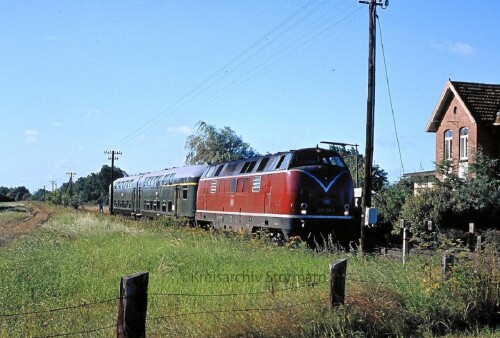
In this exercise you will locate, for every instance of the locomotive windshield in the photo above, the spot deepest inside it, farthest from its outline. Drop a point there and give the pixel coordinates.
(314, 157)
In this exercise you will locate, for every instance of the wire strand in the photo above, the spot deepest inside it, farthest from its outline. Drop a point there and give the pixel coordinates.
(390, 96)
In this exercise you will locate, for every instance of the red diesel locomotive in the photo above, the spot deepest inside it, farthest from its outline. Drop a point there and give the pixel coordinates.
(305, 192)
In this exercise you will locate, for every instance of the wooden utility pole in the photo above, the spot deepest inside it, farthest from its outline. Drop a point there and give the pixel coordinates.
(70, 183)
(370, 116)
(113, 155)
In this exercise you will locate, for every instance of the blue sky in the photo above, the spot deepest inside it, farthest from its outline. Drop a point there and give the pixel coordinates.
(81, 77)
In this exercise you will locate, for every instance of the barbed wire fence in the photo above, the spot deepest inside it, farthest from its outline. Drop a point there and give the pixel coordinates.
(110, 322)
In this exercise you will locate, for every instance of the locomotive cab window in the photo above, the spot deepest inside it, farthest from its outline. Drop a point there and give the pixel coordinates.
(314, 158)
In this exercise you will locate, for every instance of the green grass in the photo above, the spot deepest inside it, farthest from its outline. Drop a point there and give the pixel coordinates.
(12, 212)
(264, 291)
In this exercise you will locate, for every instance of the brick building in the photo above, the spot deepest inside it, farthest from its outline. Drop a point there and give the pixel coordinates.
(466, 118)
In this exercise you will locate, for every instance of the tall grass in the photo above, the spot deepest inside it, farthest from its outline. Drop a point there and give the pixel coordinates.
(204, 284)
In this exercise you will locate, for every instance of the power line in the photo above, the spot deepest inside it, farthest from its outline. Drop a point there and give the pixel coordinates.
(253, 71)
(390, 96)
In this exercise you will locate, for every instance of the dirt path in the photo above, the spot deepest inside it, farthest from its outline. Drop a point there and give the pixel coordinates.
(39, 214)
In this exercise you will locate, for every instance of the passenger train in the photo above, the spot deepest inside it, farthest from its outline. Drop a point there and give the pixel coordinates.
(305, 192)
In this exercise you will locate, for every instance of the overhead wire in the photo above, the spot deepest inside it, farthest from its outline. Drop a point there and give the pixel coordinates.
(285, 50)
(246, 66)
(390, 97)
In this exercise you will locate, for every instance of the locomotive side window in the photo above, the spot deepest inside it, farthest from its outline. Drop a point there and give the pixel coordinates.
(262, 164)
(245, 167)
(229, 169)
(219, 169)
(281, 162)
(209, 172)
(256, 184)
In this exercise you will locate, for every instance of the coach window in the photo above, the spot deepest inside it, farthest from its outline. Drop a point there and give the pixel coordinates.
(164, 206)
(184, 193)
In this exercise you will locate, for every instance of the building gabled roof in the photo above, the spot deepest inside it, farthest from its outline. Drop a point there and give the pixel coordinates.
(480, 101)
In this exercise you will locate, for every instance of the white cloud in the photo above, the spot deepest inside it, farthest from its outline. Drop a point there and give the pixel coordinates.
(184, 130)
(32, 136)
(62, 163)
(457, 47)
(93, 113)
(462, 49)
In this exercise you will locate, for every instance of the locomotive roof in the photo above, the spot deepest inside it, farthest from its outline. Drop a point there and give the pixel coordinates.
(264, 163)
(276, 154)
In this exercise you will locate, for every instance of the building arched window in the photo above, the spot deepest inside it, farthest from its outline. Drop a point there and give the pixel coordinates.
(448, 139)
(464, 143)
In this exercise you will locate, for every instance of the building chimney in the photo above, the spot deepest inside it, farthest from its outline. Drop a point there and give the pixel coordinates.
(497, 121)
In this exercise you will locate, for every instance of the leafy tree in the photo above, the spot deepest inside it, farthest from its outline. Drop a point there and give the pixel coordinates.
(455, 201)
(15, 194)
(211, 145)
(390, 199)
(40, 195)
(379, 176)
(89, 188)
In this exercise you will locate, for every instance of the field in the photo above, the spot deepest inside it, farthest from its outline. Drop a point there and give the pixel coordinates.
(62, 279)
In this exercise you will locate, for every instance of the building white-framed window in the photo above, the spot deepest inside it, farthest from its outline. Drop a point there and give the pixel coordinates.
(463, 164)
(464, 143)
(448, 140)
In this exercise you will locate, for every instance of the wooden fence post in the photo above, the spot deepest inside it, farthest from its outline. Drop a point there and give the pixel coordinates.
(337, 282)
(471, 237)
(478, 243)
(447, 259)
(405, 244)
(132, 306)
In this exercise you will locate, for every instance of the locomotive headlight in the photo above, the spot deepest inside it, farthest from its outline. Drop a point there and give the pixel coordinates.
(303, 207)
(346, 210)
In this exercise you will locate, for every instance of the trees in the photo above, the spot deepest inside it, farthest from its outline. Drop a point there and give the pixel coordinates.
(453, 202)
(209, 145)
(379, 176)
(14, 194)
(89, 188)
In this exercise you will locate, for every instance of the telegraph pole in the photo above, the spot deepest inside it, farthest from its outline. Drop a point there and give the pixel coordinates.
(113, 155)
(70, 183)
(54, 185)
(370, 116)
